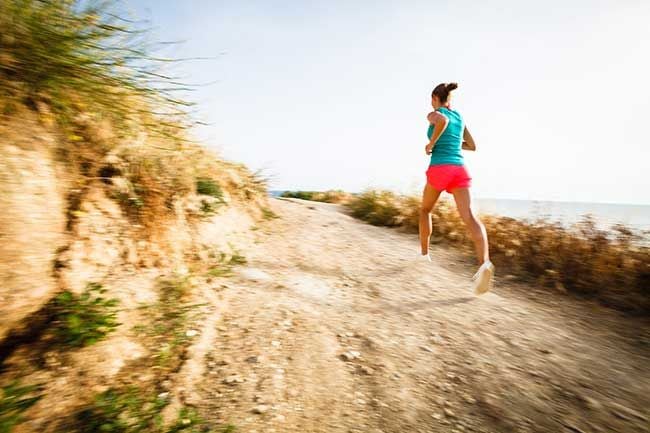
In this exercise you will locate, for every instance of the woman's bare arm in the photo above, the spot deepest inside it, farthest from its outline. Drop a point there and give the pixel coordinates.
(439, 122)
(468, 141)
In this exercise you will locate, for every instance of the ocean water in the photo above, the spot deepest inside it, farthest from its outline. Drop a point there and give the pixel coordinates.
(605, 215)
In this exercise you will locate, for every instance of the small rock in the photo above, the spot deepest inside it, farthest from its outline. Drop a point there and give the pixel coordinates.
(437, 416)
(233, 379)
(163, 395)
(446, 387)
(449, 413)
(275, 343)
(426, 348)
(366, 370)
(260, 409)
(571, 427)
(626, 413)
(191, 333)
(589, 402)
(437, 339)
(350, 355)
(51, 359)
(252, 359)
(469, 399)
(99, 388)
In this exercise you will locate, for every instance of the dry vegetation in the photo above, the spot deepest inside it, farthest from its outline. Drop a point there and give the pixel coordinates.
(83, 80)
(610, 266)
(119, 116)
(331, 196)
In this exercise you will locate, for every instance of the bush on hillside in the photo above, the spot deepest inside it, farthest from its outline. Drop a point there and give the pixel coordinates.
(380, 208)
(331, 196)
(611, 266)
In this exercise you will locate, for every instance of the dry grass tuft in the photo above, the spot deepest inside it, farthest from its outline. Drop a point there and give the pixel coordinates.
(331, 196)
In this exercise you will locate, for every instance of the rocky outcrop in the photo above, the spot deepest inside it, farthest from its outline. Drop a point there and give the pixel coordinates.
(32, 220)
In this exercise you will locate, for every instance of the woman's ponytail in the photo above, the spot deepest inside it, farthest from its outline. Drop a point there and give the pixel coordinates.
(442, 91)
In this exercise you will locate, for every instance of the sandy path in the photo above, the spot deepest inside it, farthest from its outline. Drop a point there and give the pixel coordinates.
(431, 357)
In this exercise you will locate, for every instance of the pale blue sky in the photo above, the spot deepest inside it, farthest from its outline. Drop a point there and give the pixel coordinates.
(334, 94)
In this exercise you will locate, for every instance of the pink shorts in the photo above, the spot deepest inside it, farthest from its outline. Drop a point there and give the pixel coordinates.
(448, 177)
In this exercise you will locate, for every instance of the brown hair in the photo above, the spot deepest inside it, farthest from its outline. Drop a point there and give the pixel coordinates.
(442, 91)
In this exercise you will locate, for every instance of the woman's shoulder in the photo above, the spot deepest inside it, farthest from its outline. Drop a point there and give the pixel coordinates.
(436, 115)
(452, 113)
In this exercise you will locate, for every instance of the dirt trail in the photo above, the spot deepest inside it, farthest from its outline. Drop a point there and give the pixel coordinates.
(424, 354)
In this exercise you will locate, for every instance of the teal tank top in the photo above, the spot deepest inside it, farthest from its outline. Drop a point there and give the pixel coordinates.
(449, 145)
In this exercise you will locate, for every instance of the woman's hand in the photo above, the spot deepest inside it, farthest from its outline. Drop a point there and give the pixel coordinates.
(468, 140)
(429, 148)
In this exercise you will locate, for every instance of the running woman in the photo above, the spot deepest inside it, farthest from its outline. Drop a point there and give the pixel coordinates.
(448, 135)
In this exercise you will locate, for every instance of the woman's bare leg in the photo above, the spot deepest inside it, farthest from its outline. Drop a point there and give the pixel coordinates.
(474, 226)
(429, 198)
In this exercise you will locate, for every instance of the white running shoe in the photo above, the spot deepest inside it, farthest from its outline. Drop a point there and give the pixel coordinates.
(423, 258)
(483, 278)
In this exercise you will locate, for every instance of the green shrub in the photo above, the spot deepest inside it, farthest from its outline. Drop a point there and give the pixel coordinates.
(133, 410)
(225, 264)
(237, 259)
(302, 195)
(330, 196)
(82, 320)
(209, 187)
(14, 400)
(268, 214)
(168, 321)
(380, 208)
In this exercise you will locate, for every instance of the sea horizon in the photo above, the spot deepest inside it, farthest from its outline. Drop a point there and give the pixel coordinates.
(277, 192)
(606, 215)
